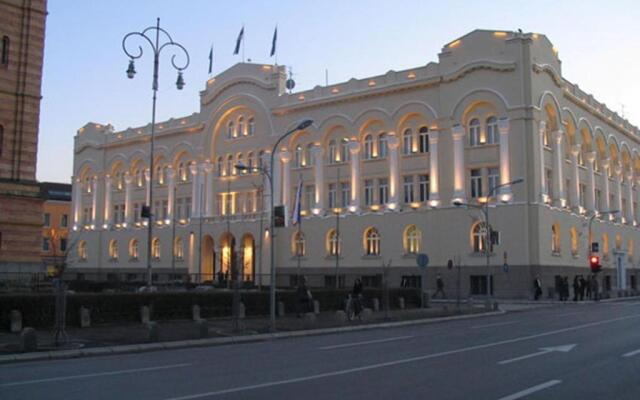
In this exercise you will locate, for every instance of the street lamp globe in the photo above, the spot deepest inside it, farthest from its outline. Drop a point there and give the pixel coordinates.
(180, 81)
(131, 71)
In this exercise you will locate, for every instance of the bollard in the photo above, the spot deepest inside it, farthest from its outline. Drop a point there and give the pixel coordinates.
(16, 321)
(242, 312)
(203, 328)
(28, 340)
(366, 314)
(316, 307)
(195, 312)
(144, 314)
(401, 303)
(152, 332)
(376, 305)
(280, 309)
(85, 317)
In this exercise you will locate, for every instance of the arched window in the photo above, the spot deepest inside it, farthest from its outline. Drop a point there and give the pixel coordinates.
(407, 142)
(240, 161)
(250, 163)
(160, 174)
(178, 249)
(477, 237)
(493, 136)
(251, 127)
(555, 238)
(298, 244)
(220, 166)
(241, 131)
(139, 176)
(331, 152)
(82, 250)
(423, 140)
(5, 50)
(474, 132)
(412, 239)
(344, 150)
(229, 171)
(155, 248)
(382, 145)
(298, 157)
(133, 249)
(230, 130)
(368, 147)
(574, 241)
(372, 242)
(333, 243)
(308, 154)
(117, 181)
(113, 249)
(182, 171)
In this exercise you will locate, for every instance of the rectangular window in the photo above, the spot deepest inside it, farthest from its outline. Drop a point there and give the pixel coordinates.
(493, 177)
(383, 190)
(165, 209)
(582, 194)
(407, 186)
(187, 207)
(476, 183)
(345, 193)
(178, 208)
(122, 212)
(136, 212)
(549, 181)
(368, 192)
(598, 195)
(45, 244)
(423, 140)
(47, 220)
(423, 184)
(309, 197)
(64, 221)
(331, 200)
(116, 214)
(63, 244)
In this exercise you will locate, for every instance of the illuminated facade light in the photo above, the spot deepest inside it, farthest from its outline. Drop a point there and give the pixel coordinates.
(434, 203)
(353, 209)
(315, 211)
(500, 34)
(415, 204)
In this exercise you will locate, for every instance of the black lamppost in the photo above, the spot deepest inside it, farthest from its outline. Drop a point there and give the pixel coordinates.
(152, 36)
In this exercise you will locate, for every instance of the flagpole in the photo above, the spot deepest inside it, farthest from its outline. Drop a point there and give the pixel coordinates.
(336, 210)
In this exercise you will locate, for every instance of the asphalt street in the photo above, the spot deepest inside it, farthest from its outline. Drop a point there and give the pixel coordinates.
(573, 351)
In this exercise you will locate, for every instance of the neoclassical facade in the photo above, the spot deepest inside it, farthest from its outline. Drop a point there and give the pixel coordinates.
(378, 173)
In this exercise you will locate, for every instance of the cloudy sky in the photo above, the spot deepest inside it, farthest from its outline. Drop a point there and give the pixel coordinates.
(84, 72)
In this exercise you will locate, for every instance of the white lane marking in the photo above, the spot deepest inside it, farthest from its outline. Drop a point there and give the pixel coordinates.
(69, 377)
(339, 346)
(496, 324)
(561, 349)
(399, 362)
(631, 353)
(531, 390)
(567, 314)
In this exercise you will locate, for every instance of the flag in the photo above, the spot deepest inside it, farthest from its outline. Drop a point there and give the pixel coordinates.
(211, 59)
(274, 41)
(296, 209)
(238, 41)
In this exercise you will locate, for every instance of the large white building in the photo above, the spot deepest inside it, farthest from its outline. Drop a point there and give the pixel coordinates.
(390, 154)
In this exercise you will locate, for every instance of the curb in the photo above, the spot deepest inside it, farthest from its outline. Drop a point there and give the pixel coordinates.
(184, 344)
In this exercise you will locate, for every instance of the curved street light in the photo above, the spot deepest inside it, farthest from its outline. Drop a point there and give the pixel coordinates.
(152, 36)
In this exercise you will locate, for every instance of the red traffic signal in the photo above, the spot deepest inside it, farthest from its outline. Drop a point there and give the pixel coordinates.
(594, 263)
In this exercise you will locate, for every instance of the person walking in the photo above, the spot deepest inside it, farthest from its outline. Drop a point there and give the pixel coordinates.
(356, 297)
(304, 297)
(583, 287)
(594, 288)
(576, 287)
(537, 288)
(439, 287)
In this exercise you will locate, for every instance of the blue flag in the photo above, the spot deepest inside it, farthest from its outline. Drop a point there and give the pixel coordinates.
(273, 42)
(211, 59)
(297, 206)
(238, 41)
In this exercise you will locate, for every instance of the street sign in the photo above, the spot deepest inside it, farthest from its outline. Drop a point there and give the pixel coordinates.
(422, 260)
(595, 247)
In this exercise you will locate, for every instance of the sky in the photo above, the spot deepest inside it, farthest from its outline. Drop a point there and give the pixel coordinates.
(84, 66)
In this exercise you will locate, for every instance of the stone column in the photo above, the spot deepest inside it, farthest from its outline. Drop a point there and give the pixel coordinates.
(544, 190)
(505, 167)
(207, 175)
(354, 150)
(591, 186)
(394, 172)
(574, 190)
(434, 194)
(128, 207)
(618, 187)
(76, 190)
(195, 190)
(107, 201)
(171, 193)
(459, 186)
(558, 177)
(605, 185)
(630, 216)
(285, 158)
(318, 171)
(94, 201)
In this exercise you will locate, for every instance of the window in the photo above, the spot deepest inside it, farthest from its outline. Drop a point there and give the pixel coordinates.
(332, 195)
(160, 174)
(423, 187)
(116, 214)
(372, 242)
(382, 145)
(250, 163)
(155, 248)
(412, 238)
(64, 221)
(423, 140)
(368, 192)
(344, 150)
(5, 50)
(220, 166)
(477, 237)
(298, 160)
(493, 136)
(82, 250)
(139, 175)
(1, 138)
(494, 178)
(476, 183)
(133, 249)
(309, 197)
(598, 195)
(230, 130)
(182, 170)
(407, 186)
(239, 161)
(298, 248)
(113, 250)
(187, 207)
(368, 147)
(241, 131)
(582, 194)
(333, 243)
(47, 220)
(383, 190)
(331, 152)
(251, 127)
(178, 249)
(407, 142)
(345, 193)
(45, 244)
(308, 154)
(137, 217)
(474, 132)
(229, 171)
(555, 238)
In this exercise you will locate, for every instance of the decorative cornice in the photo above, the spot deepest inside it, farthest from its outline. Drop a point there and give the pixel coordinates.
(555, 76)
(209, 98)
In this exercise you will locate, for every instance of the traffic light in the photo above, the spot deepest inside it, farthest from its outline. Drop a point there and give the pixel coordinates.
(278, 216)
(594, 263)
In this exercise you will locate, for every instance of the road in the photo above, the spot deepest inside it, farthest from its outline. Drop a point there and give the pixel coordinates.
(573, 351)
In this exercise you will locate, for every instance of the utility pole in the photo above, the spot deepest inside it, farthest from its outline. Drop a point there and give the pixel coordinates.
(337, 211)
